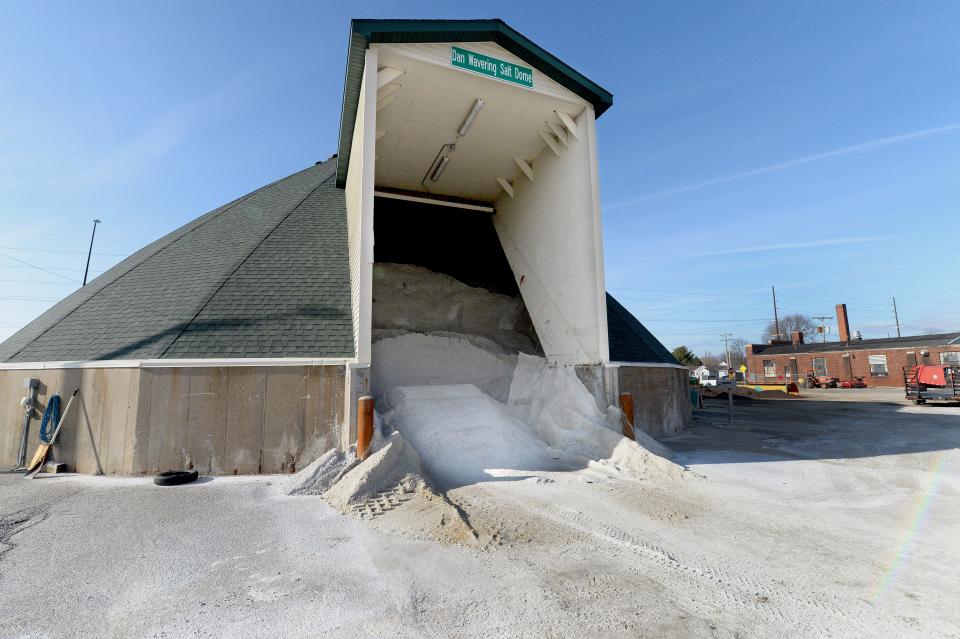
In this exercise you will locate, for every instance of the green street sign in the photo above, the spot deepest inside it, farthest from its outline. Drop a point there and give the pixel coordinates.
(490, 66)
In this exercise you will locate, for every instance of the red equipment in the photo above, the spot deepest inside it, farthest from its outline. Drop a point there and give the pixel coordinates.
(857, 382)
(931, 382)
(931, 375)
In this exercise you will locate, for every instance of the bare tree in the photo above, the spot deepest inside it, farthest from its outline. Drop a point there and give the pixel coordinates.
(738, 352)
(790, 323)
(711, 361)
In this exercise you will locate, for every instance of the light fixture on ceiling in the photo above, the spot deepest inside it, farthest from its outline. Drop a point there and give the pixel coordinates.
(467, 121)
(441, 165)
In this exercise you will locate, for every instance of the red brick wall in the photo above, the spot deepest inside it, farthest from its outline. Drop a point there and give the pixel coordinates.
(859, 362)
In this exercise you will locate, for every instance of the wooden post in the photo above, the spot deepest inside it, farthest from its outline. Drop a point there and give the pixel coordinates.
(364, 426)
(626, 405)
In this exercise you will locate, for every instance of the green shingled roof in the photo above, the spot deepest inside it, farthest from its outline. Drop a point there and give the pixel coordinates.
(630, 341)
(266, 275)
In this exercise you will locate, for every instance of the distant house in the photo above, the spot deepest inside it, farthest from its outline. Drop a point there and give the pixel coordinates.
(700, 372)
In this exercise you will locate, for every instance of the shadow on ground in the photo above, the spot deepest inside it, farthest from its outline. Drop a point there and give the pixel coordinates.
(815, 428)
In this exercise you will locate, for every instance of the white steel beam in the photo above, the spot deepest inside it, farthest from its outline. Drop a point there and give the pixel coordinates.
(386, 75)
(558, 131)
(551, 141)
(569, 123)
(525, 167)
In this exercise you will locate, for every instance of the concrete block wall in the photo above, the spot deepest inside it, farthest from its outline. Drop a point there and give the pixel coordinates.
(661, 397)
(218, 420)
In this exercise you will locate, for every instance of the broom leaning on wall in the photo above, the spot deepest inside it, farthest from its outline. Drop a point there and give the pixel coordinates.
(40, 457)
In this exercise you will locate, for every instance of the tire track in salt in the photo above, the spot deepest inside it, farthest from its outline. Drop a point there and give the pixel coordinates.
(716, 589)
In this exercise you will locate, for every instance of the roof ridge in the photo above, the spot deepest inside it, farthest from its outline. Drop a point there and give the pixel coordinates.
(206, 218)
(241, 262)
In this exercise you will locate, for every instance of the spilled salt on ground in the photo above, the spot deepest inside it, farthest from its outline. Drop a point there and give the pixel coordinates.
(323, 473)
(394, 464)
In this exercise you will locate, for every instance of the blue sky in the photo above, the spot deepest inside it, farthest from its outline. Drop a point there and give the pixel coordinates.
(815, 147)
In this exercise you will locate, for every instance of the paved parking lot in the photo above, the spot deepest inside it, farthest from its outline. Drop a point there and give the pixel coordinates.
(831, 515)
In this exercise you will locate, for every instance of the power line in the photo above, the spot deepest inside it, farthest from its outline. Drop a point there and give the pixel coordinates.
(823, 301)
(949, 290)
(36, 282)
(47, 269)
(675, 292)
(709, 321)
(33, 250)
(39, 268)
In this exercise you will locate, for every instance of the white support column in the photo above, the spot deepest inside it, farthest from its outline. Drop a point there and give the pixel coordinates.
(588, 122)
(370, 78)
(359, 200)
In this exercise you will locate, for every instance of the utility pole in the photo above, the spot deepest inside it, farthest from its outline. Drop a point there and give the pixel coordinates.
(90, 251)
(822, 319)
(895, 316)
(726, 346)
(776, 320)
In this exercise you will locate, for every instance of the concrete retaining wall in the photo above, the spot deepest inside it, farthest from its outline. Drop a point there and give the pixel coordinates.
(219, 420)
(661, 397)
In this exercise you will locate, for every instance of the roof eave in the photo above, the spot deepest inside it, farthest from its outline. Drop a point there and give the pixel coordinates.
(363, 32)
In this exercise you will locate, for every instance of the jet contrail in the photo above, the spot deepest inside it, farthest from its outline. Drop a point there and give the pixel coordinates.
(793, 245)
(855, 148)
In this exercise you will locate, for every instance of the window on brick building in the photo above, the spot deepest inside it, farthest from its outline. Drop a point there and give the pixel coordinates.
(950, 358)
(769, 368)
(820, 366)
(878, 365)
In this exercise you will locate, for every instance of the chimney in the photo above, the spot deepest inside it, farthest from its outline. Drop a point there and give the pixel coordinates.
(843, 325)
(796, 337)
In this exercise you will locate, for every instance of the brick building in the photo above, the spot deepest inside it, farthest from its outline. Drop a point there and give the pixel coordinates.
(879, 362)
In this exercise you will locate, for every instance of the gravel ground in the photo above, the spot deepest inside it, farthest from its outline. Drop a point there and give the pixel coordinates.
(831, 515)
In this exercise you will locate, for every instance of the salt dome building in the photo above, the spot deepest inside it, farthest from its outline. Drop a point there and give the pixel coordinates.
(457, 226)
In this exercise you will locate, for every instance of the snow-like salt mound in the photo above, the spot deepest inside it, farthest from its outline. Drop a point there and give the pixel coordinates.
(381, 471)
(464, 436)
(555, 403)
(415, 359)
(323, 473)
(413, 299)
(464, 409)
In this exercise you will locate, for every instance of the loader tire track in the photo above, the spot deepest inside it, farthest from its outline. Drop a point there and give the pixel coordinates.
(717, 590)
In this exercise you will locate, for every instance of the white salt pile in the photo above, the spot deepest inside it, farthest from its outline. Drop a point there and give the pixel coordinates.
(464, 436)
(417, 300)
(319, 476)
(463, 404)
(454, 434)
(558, 407)
(430, 329)
(375, 488)
(415, 359)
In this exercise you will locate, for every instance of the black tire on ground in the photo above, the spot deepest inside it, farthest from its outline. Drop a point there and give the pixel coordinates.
(175, 477)
(919, 401)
